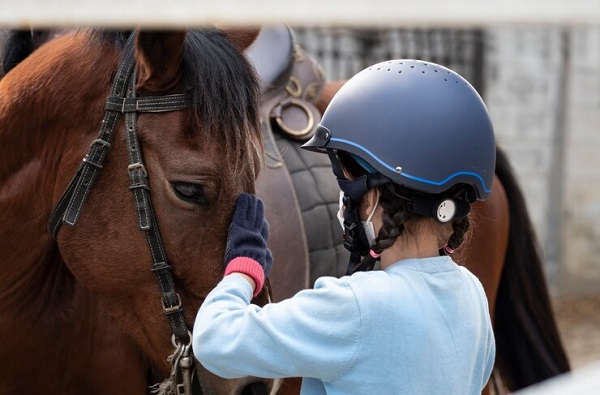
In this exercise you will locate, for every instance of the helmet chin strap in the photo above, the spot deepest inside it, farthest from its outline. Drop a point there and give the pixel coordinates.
(355, 239)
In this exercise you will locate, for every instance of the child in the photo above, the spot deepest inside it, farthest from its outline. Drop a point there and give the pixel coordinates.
(411, 145)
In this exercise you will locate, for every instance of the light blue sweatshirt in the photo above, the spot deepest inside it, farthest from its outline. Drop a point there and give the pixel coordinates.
(421, 326)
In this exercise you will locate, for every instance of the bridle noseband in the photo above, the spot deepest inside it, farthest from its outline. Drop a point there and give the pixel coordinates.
(122, 99)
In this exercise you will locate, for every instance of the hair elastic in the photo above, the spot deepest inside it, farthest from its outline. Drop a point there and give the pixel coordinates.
(374, 254)
(448, 250)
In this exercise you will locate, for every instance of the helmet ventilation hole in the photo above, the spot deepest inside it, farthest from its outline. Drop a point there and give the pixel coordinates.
(378, 90)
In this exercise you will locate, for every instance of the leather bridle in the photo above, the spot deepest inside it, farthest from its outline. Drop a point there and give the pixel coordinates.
(122, 100)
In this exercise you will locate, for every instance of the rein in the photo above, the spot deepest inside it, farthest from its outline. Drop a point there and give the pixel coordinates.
(122, 100)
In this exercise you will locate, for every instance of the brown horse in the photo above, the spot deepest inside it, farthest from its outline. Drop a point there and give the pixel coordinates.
(84, 313)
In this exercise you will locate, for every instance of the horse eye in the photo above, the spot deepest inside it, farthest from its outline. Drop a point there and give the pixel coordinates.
(193, 193)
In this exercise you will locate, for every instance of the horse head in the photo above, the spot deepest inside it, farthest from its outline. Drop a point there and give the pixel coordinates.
(183, 136)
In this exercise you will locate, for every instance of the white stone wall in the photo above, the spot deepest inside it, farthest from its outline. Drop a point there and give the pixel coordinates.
(543, 91)
(524, 94)
(580, 263)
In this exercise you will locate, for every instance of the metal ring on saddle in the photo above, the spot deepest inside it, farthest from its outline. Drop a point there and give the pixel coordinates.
(309, 118)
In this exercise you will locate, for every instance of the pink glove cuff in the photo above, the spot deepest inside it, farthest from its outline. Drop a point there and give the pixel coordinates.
(249, 267)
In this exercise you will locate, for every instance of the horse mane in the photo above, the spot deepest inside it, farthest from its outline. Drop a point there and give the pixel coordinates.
(16, 46)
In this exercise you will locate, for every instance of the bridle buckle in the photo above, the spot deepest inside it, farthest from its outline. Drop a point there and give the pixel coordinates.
(138, 165)
(171, 309)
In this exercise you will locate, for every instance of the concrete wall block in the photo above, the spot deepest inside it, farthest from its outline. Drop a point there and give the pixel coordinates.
(584, 76)
(522, 94)
(580, 260)
(584, 44)
(582, 248)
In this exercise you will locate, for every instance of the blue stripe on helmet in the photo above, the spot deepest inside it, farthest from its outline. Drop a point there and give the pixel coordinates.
(363, 163)
(404, 174)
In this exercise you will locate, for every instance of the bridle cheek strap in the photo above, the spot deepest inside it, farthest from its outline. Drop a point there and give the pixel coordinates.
(146, 219)
(122, 99)
(69, 206)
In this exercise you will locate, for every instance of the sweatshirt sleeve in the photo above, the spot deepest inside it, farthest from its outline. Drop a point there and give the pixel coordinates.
(316, 333)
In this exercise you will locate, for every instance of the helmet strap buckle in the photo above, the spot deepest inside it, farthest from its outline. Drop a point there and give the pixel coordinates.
(355, 239)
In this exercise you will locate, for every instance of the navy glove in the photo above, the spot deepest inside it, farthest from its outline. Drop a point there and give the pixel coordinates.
(246, 251)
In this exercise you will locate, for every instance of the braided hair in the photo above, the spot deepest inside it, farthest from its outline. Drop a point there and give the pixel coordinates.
(397, 218)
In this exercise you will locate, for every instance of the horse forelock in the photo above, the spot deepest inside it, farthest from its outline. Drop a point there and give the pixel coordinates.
(225, 94)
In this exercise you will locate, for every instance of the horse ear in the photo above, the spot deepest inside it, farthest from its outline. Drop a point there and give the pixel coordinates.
(241, 37)
(158, 56)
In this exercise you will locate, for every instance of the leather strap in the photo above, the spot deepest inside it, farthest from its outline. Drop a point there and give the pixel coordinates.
(147, 103)
(171, 301)
(70, 205)
(122, 99)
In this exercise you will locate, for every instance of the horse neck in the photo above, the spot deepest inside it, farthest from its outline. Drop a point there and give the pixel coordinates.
(25, 199)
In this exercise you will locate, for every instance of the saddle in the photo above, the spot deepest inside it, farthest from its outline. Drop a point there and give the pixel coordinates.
(291, 81)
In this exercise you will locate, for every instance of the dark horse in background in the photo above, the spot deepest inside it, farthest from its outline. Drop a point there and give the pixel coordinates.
(301, 199)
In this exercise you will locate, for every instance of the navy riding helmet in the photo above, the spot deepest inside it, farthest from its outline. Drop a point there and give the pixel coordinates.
(417, 123)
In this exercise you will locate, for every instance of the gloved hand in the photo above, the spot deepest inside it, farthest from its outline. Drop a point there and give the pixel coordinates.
(246, 251)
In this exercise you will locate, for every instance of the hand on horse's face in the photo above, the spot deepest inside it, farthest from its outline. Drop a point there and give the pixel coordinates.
(247, 240)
